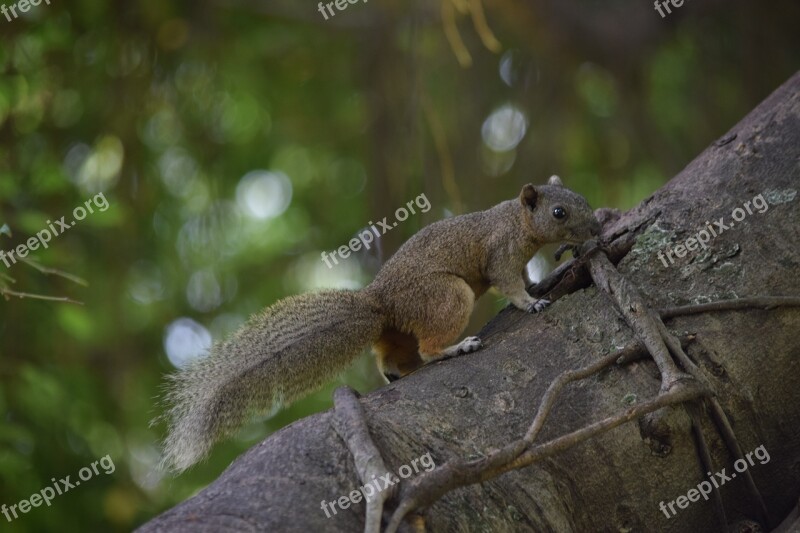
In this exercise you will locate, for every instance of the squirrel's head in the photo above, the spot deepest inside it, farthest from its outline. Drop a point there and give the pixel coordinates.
(558, 214)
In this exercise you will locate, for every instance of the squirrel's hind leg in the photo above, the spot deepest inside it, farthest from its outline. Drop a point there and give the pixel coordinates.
(434, 312)
(446, 321)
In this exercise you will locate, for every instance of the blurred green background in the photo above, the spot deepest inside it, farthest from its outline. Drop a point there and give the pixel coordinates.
(237, 140)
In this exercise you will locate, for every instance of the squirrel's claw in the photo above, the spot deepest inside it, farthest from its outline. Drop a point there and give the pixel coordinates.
(537, 306)
(469, 345)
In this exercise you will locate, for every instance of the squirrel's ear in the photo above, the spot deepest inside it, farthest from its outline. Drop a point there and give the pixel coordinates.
(555, 180)
(528, 196)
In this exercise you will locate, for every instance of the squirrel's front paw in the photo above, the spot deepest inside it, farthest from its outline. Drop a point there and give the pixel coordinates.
(469, 345)
(537, 306)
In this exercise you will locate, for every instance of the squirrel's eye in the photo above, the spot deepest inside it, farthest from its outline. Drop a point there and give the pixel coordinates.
(559, 212)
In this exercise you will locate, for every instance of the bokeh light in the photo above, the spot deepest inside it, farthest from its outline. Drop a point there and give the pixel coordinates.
(186, 340)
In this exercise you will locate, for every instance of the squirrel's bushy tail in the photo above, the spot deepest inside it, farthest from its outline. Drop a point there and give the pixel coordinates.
(283, 353)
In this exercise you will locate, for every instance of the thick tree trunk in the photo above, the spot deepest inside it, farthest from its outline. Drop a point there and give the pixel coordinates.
(465, 406)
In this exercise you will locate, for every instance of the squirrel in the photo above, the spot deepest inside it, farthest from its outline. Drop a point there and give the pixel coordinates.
(413, 311)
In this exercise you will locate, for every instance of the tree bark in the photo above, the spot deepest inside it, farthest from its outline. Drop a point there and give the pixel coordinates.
(465, 406)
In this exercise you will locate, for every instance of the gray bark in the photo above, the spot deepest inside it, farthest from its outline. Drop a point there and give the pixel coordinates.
(464, 406)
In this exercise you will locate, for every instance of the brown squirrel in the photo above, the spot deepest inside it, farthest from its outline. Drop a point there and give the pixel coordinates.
(417, 306)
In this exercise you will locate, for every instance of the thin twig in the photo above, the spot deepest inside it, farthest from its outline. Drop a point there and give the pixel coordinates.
(637, 314)
(572, 276)
(726, 430)
(643, 354)
(427, 489)
(706, 463)
(439, 134)
(453, 36)
(461, 6)
(9, 293)
(351, 425)
(764, 302)
(482, 27)
(675, 347)
(718, 414)
(683, 392)
(54, 272)
(549, 398)
(560, 272)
